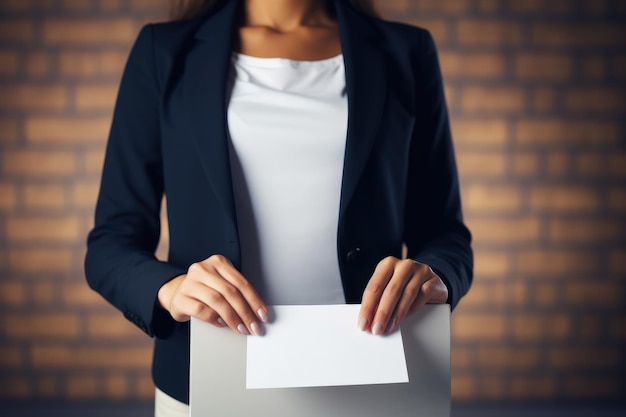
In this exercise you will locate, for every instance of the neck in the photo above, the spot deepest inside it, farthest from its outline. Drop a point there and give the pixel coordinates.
(286, 15)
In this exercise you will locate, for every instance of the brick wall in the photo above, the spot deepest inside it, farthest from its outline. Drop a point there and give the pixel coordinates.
(536, 90)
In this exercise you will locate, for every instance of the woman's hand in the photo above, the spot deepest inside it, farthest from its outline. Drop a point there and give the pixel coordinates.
(215, 292)
(398, 288)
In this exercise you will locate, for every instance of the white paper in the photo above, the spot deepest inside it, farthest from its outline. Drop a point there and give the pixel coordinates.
(321, 345)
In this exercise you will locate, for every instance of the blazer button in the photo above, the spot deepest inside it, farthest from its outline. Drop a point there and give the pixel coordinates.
(353, 255)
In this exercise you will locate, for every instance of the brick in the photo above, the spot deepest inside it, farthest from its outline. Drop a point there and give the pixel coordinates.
(14, 387)
(590, 328)
(478, 326)
(76, 5)
(45, 325)
(448, 7)
(617, 164)
(596, 358)
(619, 67)
(85, 194)
(117, 386)
(585, 231)
(591, 165)
(89, 31)
(61, 229)
(67, 130)
(559, 164)
(547, 294)
(556, 263)
(617, 199)
(463, 387)
(594, 294)
(9, 63)
(43, 293)
(599, 100)
(93, 160)
(461, 358)
(111, 327)
(8, 196)
(559, 132)
(145, 388)
(47, 387)
(48, 261)
(596, 6)
(489, 32)
(594, 68)
(80, 295)
(490, 132)
(92, 64)
(504, 231)
(565, 198)
(579, 35)
(593, 387)
(534, 387)
(33, 97)
(551, 67)
(541, 327)
(476, 164)
(504, 358)
(11, 357)
(491, 263)
(80, 387)
(17, 30)
(8, 131)
(149, 5)
(26, 5)
(481, 198)
(38, 64)
(12, 293)
(38, 163)
(617, 328)
(110, 5)
(544, 100)
(437, 27)
(472, 65)
(491, 387)
(526, 164)
(617, 261)
(91, 358)
(44, 196)
(493, 99)
(95, 97)
(489, 6)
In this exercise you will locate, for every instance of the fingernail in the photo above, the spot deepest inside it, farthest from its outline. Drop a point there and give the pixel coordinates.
(377, 329)
(221, 322)
(262, 315)
(362, 324)
(242, 329)
(256, 329)
(392, 325)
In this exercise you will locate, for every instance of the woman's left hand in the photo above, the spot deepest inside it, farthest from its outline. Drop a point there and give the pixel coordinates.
(398, 288)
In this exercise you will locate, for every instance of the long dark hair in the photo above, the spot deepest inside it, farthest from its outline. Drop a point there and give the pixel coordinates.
(189, 9)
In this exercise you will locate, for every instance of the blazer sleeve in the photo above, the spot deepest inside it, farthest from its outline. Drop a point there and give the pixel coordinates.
(120, 263)
(435, 232)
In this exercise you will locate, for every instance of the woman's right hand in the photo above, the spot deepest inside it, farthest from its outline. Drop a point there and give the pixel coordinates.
(214, 291)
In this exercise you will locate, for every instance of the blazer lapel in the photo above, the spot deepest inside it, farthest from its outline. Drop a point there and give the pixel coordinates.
(205, 89)
(366, 86)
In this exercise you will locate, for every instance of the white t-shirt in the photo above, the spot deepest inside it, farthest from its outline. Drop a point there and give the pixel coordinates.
(288, 122)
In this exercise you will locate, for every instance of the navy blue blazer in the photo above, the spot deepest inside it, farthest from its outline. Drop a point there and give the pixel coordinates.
(169, 137)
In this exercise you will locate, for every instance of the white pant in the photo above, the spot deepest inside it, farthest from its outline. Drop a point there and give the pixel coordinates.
(166, 406)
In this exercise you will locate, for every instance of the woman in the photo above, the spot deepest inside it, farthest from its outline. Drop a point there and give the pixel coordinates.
(304, 148)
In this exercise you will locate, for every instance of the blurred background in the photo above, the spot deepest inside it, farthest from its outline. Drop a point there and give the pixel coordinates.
(537, 96)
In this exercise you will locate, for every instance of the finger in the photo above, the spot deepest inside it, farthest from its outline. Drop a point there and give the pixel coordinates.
(434, 291)
(402, 274)
(226, 269)
(212, 290)
(373, 293)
